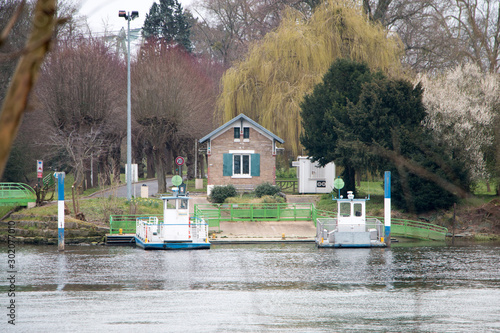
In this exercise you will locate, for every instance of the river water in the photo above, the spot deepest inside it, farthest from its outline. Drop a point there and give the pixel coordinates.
(417, 287)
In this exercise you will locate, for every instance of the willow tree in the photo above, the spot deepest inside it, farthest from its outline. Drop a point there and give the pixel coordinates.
(269, 85)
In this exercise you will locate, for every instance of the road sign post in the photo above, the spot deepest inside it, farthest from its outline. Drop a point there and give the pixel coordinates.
(179, 160)
(39, 169)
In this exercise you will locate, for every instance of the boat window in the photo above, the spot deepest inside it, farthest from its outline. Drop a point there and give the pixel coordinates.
(358, 209)
(170, 204)
(184, 204)
(345, 209)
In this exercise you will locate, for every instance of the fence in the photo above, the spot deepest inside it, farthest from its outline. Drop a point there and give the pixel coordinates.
(326, 225)
(287, 185)
(417, 229)
(213, 214)
(127, 223)
(16, 194)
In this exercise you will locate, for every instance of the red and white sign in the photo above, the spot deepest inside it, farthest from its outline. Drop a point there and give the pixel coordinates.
(39, 168)
(179, 160)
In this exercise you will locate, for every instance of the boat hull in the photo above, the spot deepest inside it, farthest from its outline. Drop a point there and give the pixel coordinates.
(328, 245)
(171, 245)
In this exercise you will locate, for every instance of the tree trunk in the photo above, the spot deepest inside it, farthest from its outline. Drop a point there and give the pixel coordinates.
(201, 166)
(170, 166)
(138, 158)
(160, 171)
(115, 158)
(190, 160)
(104, 169)
(349, 177)
(150, 162)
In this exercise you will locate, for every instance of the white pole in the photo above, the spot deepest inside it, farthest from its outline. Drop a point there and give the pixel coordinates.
(387, 207)
(60, 209)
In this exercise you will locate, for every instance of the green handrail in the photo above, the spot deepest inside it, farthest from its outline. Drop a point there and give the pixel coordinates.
(16, 194)
(126, 222)
(416, 229)
(213, 214)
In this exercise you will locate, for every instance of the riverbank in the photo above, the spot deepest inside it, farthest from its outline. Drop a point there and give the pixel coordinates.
(44, 229)
(479, 222)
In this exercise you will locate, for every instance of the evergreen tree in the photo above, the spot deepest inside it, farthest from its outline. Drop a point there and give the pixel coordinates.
(166, 21)
(326, 109)
(364, 120)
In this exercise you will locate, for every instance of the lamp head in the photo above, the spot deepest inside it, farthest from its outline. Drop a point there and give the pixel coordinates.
(132, 16)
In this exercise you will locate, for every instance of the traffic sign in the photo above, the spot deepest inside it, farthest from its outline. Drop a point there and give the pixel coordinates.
(39, 168)
(179, 160)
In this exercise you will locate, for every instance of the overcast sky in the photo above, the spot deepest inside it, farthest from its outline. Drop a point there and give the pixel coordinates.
(101, 12)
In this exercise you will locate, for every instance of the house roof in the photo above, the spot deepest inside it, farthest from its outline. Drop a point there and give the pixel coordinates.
(235, 119)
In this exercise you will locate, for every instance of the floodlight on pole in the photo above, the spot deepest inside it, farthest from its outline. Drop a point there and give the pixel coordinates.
(129, 17)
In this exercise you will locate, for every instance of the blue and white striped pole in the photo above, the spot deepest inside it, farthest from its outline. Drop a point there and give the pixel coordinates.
(60, 209)
(387, 207)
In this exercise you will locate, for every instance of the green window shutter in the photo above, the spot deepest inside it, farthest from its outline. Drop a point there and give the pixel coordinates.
(255, 169)
(227, 165)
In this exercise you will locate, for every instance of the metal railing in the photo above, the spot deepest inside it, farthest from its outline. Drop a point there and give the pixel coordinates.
(327, 225)
(127, 223)
(417, 229)
(16, 194)
(151, 228)
(213, 214)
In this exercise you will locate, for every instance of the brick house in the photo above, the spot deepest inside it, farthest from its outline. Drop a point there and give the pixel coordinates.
(242, 153)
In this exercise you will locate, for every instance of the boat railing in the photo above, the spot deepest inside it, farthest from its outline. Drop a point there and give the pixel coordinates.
(324, 226)
(198, 228)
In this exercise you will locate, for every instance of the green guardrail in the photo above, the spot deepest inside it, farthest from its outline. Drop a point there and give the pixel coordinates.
(126, 222)
(416, 229)
(213, 214)
(16, 194)
(49, 180)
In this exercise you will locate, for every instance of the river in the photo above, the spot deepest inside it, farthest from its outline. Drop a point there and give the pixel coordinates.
(417, 287)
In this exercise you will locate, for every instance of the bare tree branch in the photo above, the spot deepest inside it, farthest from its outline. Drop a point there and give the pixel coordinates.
(25, 77)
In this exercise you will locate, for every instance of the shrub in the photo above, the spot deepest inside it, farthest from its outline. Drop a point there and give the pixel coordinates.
(220, 193)
(270, 199)
(266, 189)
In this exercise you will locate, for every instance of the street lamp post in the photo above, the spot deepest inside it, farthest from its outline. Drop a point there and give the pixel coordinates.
(129, 17)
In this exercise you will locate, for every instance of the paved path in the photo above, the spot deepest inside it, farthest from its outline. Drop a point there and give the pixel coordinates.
(273, 230)
(121, 191)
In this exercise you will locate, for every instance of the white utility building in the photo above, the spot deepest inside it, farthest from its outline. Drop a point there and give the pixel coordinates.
(312, 178)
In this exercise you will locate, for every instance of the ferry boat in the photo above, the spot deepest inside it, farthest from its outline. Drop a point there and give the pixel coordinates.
(351, 228)
(177, 231)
